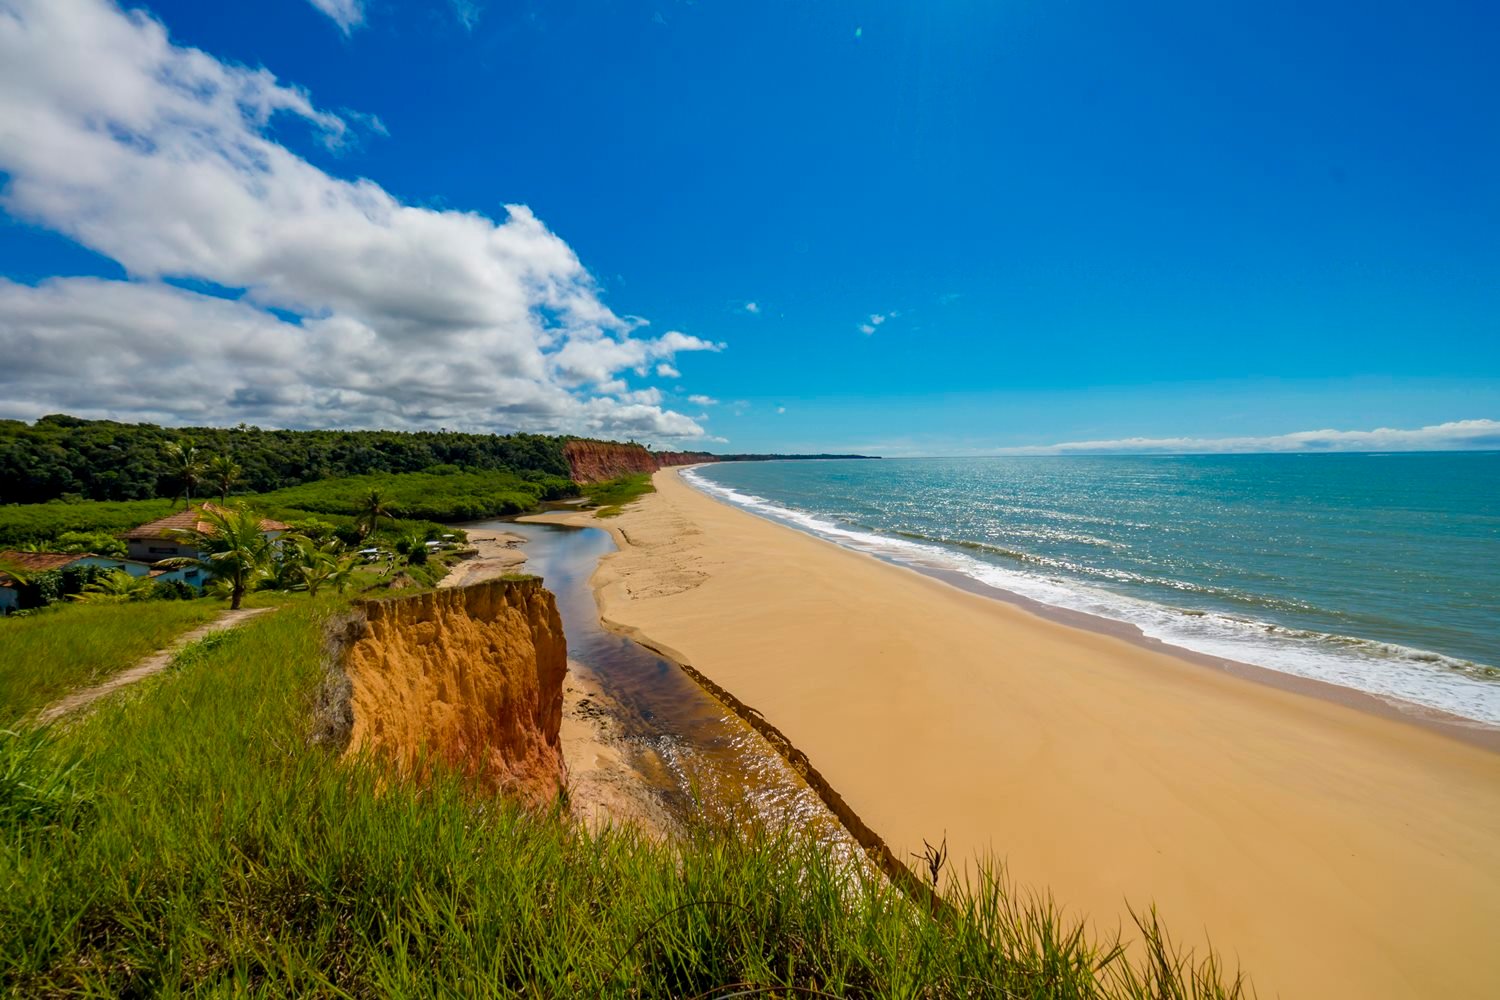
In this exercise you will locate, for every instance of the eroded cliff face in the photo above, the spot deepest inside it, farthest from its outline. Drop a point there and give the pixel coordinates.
(596, 461)
(472, 676)
(665, 458)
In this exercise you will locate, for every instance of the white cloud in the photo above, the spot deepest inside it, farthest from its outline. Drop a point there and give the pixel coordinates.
(703, 401)
(875, 320)
(157, 156)
(781, 409)
(1456, 435)
(345, 13)
(667, 371)
(753, 308)
(467, 12)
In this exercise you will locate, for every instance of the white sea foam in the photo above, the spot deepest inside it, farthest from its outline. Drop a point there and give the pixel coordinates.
(1395, 673)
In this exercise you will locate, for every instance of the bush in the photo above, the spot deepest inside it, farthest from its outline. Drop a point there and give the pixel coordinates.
(317, 530)
(173, 590)
(100, 543)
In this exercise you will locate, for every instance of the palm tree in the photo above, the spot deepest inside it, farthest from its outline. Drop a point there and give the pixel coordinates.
(187, 469)
(320, 564)
(226, 474)
(413, 545)
(343, 572)
(117, 587)
(374, 507)
(231, 547)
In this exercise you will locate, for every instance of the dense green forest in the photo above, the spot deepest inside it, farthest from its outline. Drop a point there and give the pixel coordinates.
(62, 457)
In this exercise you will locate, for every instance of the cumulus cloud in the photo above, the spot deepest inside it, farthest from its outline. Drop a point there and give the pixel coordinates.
(345, 13)
(703, 401)
(667, 371)
(158, 156)
(875, 320)
(753, 308)
(1455, 435)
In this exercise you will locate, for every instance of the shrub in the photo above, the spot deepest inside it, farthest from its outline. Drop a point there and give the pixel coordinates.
(174, 590)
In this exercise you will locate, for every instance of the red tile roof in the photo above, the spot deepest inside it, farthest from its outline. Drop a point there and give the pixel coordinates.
(190, 520)
(40, 562)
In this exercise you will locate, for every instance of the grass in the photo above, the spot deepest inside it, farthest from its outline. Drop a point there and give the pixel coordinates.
(189, 836)
(611, 496)
(68, 645)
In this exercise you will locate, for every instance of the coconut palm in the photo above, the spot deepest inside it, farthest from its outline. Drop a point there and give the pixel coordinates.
(320, 564)
(231, 547)
(226, 474)
(187, 469)
(343, 572)
(413, 545)
(373, 508)
(283, 571)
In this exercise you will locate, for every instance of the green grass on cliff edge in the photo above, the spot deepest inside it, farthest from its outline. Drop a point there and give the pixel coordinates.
(189, 837)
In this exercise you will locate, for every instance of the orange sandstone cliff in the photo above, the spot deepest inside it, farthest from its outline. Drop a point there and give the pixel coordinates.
(471, 675)
(596, 461)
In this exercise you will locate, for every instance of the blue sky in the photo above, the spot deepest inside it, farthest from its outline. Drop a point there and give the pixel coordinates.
(962, 226)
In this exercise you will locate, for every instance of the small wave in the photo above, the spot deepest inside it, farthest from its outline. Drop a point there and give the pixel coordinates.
(1113, 574)
(1423, 677)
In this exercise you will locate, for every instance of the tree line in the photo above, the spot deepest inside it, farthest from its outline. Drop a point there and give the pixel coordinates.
(63, 458)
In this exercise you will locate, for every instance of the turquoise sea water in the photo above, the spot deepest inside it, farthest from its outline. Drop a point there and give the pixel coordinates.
(1376, 572)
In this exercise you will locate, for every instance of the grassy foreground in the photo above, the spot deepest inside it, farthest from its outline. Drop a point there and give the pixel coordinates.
(189, 837)
(75, 645)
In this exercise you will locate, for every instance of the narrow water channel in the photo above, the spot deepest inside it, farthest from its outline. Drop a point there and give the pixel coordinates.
(690, 749)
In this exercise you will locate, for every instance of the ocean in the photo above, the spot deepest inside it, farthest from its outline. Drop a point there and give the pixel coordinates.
(1379, 572)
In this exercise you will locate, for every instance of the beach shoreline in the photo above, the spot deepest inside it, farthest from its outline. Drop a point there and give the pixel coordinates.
(1116, 772)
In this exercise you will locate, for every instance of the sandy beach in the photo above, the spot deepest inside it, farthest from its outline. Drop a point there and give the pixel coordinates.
(1332, 852)
(603, 788)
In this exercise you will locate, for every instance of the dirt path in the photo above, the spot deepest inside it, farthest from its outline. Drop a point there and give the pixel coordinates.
(153, 664)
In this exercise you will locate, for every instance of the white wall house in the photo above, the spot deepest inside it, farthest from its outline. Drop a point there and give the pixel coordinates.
(165, 539)
(29, 563)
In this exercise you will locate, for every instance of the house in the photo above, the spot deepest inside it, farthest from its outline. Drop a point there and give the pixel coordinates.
(164, 538)
(30, 563)
(170, 538)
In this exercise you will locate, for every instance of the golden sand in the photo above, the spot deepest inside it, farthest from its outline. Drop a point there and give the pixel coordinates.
(1331, 851)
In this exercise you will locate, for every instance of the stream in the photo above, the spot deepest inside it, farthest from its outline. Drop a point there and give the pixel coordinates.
(690, 750)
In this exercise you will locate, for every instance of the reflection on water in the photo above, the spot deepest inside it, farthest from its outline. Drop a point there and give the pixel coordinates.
(691, 749)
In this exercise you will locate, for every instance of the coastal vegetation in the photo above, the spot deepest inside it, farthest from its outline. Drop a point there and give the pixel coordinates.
(611, 496)
(441, 495)
(411, 501)
(61, 457)
(192, 835)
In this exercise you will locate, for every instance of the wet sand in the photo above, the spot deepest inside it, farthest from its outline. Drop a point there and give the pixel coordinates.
(495, 553)
(1333, 852)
